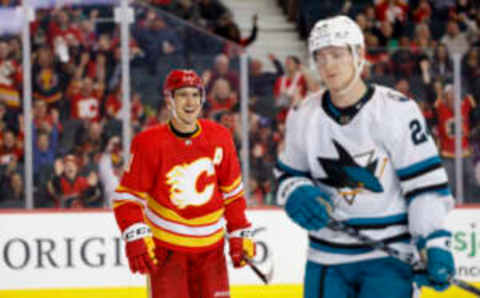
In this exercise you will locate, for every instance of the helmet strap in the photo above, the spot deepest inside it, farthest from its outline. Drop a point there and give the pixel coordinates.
(358, 64)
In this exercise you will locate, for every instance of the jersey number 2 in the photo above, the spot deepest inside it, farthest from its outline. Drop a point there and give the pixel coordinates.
(419, 134)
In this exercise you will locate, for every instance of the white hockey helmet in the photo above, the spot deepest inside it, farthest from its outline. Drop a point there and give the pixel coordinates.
(336, 31)
(340, 31)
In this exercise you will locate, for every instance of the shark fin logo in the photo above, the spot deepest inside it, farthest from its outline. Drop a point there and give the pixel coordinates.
(348, 176)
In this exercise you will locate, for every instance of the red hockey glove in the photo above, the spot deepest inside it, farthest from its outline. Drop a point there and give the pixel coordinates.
(140, 249)
(242, 247)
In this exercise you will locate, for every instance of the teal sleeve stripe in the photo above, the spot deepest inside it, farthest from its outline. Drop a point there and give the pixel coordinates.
(378, 221)
(419, 166)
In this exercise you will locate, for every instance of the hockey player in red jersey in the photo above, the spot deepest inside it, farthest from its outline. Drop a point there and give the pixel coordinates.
(182, 182)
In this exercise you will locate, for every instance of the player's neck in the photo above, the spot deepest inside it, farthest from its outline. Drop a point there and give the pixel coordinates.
(183, 129)
(342, 100)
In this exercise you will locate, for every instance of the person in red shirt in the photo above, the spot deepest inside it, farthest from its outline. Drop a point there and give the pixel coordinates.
(69, 189)
(11, 147)
(291, 84)
(221, 98)
(182, 181)
(446, 134)
(85, 105)
(10, 78)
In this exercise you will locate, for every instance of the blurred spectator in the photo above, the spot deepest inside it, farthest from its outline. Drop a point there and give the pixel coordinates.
(221, 69)
(391, 10)
(422, 12)
(88, 34)
(7, 120)
(113, 108)
(361, 21)
(44, 148)
(377, 56)
(110, 169)
(403, 86)
(10, 148)
(42, 119)
(48, 80)
(465, 9)
(229, 30)
(85, 105)
(425, 89)
(291, 85)
(403, 59)
(113, 104)
(97, 69)
(89, 140)
(261, 83)
(12, 192)
(15, 44)
(10, 78)
(370, 16)
(442, 63)
(156, 38)
(384, 34)
(455, 41)
(63, 35)
(423, 43)
(471, 67)
(221, 98)
(70, 190)
(446, 130)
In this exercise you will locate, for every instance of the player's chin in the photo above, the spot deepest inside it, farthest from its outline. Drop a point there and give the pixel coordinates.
(190, 118)
(335, 85)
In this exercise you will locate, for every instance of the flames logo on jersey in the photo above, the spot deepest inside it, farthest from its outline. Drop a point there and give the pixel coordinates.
(183, 181)
(349, 177)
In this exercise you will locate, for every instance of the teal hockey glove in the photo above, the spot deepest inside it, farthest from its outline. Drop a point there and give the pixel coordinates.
(435, 250)
(309, 207)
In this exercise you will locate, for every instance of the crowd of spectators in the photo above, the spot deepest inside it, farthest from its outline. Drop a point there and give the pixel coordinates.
(77, 94)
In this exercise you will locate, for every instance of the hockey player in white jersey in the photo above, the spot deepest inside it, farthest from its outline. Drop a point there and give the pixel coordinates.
(363, 155)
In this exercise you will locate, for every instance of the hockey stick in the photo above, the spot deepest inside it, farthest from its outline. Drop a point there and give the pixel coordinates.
(405, 257)
(265, 277)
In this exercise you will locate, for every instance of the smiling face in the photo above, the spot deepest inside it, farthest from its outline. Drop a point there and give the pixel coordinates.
(335, 65)
(187, 105)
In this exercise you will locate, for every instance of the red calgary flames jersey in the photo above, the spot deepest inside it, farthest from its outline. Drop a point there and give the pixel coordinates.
(185, 185)
(86, 107)
(446, 127)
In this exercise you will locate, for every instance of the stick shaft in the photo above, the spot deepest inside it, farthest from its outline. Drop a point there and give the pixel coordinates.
(257, 271)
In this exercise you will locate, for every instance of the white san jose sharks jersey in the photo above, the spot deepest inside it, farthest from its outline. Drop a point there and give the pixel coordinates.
(379, 163)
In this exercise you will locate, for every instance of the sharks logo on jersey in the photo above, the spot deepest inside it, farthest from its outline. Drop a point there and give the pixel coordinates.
(348, 176)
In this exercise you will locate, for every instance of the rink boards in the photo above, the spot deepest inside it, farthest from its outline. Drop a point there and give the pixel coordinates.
(80, 254)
